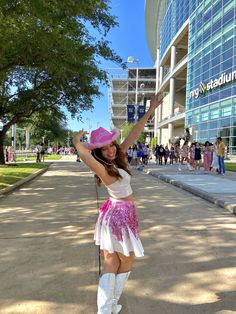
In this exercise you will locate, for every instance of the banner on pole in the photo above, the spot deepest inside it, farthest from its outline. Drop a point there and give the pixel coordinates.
(141, 111)
(130, 113)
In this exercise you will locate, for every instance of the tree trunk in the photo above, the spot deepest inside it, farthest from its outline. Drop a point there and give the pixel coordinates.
(2, 141)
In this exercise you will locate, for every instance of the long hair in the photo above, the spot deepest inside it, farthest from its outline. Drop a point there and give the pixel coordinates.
(120, 162)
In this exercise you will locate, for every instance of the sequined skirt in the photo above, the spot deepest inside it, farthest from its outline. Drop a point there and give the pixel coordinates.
(117, 228)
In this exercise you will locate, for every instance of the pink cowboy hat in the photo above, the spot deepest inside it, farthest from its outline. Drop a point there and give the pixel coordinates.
(101, 137)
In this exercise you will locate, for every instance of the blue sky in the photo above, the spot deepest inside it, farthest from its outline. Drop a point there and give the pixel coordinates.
(129, 39)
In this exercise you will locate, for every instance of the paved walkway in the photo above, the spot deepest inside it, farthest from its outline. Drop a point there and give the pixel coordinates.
(220, 190)
(48, 261)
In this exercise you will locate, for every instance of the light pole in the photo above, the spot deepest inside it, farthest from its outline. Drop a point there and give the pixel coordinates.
(142, 86)
(132, 60)
(89, 124)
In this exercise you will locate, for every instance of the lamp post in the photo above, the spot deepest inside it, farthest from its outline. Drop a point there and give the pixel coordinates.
(132, 60)
(13, 142)
(89, 124)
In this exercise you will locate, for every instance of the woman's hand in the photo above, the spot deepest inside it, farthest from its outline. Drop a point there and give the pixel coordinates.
(78, 137)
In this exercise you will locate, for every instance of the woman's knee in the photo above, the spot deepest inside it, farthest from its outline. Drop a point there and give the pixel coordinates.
(126, 262)
(111, 262)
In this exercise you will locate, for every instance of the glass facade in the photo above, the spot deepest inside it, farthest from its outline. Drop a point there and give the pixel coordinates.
(211, 81)
(211, 70)
(176, 15)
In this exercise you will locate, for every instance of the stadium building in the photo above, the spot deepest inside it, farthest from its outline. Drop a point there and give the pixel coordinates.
(193, 44)
(129, 95)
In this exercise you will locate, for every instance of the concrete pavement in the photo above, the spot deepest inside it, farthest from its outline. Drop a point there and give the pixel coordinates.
(220, 190)
(48, 261)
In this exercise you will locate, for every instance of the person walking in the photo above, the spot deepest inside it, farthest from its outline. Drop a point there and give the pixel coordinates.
(117, 230)
(130, 155)
(172, 154)
(167, 154)
(207, 157)
(197, 157)
(156, 153)
(191, 157)
(221, 155)
(38, 149)
(215, 163)
(161, 154)
(43, 151)
(135, 158)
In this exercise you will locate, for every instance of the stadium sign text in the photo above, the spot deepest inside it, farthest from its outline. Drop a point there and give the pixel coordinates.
(212, 84)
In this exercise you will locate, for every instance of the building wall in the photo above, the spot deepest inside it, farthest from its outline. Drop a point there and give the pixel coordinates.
(178, 11)
(211, 100)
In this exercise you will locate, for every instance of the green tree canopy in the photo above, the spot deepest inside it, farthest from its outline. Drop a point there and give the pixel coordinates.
(50, 54)
(49, 125)
(127, 127)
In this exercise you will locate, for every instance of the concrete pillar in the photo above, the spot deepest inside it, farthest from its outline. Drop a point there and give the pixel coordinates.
(156, 90)
(172, 96)
(158, 70)
(156, 122)
(159, 136)
(172, 90)
(161, 74)
(171, 105)
(173, 58)
(170, 130)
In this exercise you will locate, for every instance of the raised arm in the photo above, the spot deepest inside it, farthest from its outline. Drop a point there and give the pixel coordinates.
(89, 160)
(138, 127)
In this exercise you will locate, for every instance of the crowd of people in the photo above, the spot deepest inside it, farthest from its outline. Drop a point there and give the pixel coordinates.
(41, 150)
(209, 155)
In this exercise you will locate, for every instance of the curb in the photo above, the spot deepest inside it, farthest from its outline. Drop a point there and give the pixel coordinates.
(206, 196)
(21, 182)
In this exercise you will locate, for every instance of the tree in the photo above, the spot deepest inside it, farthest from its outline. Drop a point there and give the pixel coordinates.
(50, 54)
(49, 125)
(126, 128)
(154, 142)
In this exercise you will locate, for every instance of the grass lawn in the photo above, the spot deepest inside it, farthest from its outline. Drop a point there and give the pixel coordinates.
(46, 157)
(230, 166)
(10, 174)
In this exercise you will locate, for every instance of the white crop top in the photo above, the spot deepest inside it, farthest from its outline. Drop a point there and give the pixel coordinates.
(121, 187)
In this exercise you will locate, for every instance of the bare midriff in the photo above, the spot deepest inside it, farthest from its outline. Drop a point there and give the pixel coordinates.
(127, 198)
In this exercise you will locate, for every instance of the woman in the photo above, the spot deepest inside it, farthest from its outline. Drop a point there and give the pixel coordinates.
(116, 230)
(130, 155)
(197, 157)
(135, 156)
(215, 164)
(167, 154)
(207, 156)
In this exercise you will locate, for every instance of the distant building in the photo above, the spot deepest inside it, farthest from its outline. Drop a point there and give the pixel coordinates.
(129, 95)
(193, 46)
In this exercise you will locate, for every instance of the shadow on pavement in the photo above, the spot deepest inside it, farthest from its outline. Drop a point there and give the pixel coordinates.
(48, 261)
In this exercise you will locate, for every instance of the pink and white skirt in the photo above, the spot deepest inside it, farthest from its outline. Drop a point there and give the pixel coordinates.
(117, 228)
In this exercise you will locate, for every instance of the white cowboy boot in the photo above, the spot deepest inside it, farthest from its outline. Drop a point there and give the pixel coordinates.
(105, 294)
(119, 285)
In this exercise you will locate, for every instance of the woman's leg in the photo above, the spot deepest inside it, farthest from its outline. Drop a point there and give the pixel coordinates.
(126, 262)
(106, 286)
(122, 276)
(111, 262)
